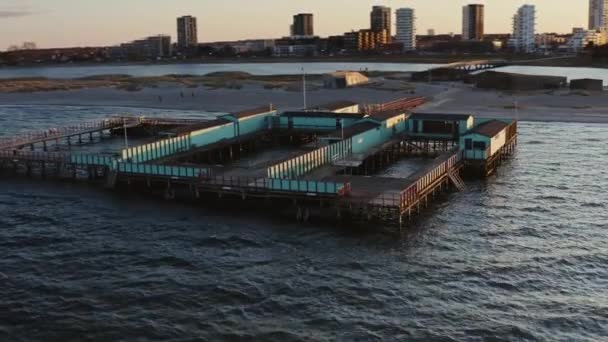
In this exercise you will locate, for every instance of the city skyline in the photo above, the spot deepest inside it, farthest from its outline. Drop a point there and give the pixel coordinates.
(65, 23)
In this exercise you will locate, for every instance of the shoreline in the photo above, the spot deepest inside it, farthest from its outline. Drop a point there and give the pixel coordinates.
(559, 106)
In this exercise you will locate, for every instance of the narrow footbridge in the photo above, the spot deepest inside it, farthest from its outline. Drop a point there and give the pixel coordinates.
(55, 134)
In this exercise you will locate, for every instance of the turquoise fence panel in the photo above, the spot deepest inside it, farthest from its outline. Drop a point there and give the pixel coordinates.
(88, 159)
(365, 141)
(162, 170)
(156, 150)
(303, 186)
(303, 164)
(255, 123)
(212, 135)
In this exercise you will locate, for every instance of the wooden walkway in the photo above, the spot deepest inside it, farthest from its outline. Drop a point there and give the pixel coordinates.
(32, 138)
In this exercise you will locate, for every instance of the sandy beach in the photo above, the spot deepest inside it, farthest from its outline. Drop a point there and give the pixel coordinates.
(558, 106)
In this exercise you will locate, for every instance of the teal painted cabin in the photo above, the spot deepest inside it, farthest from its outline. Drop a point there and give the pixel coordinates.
(440, 126)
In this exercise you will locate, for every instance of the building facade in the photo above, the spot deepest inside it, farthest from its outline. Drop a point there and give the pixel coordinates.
(187, 32)
(473, 22)
(598, 15)
(381, 19)
(582, 38)
(524, 29)
(154, 47)
(406, 28)
(303, 25)
(365, 40)
(296, 46)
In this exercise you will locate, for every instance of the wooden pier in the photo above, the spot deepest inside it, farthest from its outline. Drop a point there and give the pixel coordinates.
(304, 162)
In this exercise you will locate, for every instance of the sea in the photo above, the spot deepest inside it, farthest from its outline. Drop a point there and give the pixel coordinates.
(520, 256)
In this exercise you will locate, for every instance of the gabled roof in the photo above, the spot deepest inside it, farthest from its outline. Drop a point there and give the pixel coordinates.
(323, 114)
(490, 128)
(337, 105)
(353, 130)
(440, 116)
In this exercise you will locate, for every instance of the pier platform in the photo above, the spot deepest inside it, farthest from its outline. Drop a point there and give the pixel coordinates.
(317, 164)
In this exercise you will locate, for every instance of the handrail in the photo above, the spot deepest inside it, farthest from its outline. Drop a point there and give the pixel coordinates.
(35, 156)
(400, 104)
(434, 172)
(282, 185)
(28, 137)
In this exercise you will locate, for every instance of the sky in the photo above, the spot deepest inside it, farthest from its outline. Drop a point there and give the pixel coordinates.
(66, 23)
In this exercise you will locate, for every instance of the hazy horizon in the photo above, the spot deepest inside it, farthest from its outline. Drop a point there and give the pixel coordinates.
(66, 23)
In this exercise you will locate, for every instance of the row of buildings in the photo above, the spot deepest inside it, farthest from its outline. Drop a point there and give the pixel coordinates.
(378, 37)
(302, 40)
(160, 46)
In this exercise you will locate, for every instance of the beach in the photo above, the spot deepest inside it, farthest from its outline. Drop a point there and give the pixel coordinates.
(285, 93)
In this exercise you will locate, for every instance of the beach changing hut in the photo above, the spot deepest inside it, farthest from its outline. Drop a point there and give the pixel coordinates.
(485, 140)
(317, 120)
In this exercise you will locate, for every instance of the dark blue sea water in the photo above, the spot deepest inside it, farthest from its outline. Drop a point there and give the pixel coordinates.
(519, 257)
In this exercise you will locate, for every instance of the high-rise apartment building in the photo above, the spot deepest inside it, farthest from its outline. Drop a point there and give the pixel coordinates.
(473, 22)
(406, 28)
(187, 32)
(524, 29)
(381, 19)
(598, 15)
(303, 25)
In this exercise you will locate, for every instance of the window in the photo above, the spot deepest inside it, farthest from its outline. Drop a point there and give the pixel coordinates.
(479, 145)
(468, 144)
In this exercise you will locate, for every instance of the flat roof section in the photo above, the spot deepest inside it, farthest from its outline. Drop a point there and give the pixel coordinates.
(490, 128)
(440, 116)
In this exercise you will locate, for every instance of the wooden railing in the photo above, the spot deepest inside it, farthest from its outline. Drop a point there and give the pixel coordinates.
(34, 156)
(428, 177)
(405, 104)
(29, 137)
(310, 188)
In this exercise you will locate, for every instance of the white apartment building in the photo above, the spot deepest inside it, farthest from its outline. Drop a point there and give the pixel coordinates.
(406, 28)
(581, 38)
(524, 29)
(598, 15)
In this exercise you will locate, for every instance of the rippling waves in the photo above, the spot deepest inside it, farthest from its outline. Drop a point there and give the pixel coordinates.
(521, 256)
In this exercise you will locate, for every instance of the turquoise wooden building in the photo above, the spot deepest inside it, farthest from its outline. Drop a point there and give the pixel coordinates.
(440, 126)
(485, 140)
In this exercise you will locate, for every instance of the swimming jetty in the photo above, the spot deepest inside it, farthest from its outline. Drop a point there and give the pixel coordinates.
(318, 163)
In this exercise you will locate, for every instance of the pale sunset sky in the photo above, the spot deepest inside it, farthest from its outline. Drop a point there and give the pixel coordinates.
(63, 23)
